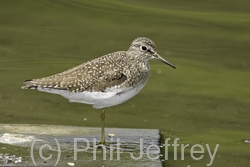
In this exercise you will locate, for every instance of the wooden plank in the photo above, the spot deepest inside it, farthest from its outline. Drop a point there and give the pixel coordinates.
(52, 145)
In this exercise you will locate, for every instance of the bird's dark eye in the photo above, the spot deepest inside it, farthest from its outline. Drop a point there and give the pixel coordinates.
(143, 48)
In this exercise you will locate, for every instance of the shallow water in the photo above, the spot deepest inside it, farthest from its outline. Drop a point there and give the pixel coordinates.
(206, 100)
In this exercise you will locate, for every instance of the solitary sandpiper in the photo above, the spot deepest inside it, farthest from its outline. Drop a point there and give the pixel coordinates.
(105, 81)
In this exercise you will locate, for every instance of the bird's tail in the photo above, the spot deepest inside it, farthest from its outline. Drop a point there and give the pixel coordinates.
(28, 84)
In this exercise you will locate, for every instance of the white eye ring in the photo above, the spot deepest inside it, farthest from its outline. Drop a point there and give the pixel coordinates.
(143, 48)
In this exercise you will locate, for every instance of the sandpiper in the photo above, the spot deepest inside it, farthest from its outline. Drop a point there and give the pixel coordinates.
(105, 81)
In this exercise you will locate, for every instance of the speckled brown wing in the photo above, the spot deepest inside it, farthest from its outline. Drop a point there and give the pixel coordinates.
(95, 75)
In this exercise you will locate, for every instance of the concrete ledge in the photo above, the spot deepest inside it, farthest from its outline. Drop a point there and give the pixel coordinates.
(50, 145)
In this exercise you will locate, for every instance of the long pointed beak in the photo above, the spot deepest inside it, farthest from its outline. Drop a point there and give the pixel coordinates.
(163, 60)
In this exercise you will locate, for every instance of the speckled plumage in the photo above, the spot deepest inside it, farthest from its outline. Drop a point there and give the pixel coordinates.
(120, 70)
(96, 75)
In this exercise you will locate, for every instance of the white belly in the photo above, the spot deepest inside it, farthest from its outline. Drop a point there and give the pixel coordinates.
(110, 97)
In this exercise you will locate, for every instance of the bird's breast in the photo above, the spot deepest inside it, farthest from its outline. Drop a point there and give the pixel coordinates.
(137, 74)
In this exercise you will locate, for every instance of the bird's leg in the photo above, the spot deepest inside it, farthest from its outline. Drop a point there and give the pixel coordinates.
(102, 126)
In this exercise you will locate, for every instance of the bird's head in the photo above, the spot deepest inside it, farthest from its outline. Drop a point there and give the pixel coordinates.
(144, 49)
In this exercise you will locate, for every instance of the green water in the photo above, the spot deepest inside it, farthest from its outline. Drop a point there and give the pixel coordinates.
(206, 100)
